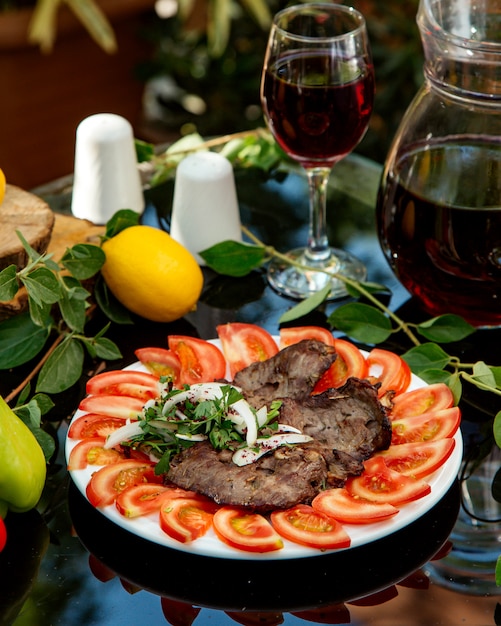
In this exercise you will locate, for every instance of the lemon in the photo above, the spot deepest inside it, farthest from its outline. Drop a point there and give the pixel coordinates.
(151, 274)
(2, 186)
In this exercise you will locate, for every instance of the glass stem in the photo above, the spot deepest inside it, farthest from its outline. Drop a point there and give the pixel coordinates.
(318, 250)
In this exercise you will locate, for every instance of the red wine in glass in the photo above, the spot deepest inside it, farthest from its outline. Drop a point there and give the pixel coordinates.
(317, 92)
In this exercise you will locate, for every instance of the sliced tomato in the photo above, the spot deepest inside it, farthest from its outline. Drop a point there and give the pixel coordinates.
(92, 452)
(246, 531)
(439, 424)
(418, 459)
(124, 383)
(3, 534)
(309, 527)
(390, 370)
(349, 362)
(422, 400)
(93, 425)
(114, 406)
(186, 519)
(380, 483)
(179, 613)
(140, 499)
(290, 336)
(101, 571)
(160, 362)
(346, 508)
(106, 483)
(201, 361)
(244, 344)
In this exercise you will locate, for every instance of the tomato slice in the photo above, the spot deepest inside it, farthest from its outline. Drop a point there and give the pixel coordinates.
(350, 362)
(309, 527)
(343, 506)
(106, 483)
(430, 398)
(160, 362)
(418, 459)
(114, 406)
(91, 451)
(380, 483)
(92, 425)
(124, 383)
(439, 424)
(290, 336)
(3, 534)
(179, 613)
(186, 519)
(390, 370)
(201, 361)
(140, 500)
(244, 344)
(246, 531)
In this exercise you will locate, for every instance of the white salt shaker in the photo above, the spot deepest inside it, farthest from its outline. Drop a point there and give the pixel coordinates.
(106, 176)
(205, 206)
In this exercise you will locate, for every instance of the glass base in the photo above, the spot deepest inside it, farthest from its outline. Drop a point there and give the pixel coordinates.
(299, 284)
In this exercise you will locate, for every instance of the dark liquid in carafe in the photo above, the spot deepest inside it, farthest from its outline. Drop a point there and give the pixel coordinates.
(439, 222)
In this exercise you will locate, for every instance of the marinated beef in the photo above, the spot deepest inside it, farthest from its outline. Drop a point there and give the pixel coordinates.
(347, 426)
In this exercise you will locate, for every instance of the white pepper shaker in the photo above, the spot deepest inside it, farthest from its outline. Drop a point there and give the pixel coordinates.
(205, 205)
(106, 176)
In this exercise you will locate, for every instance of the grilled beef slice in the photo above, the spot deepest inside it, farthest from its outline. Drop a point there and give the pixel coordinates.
(347, 426)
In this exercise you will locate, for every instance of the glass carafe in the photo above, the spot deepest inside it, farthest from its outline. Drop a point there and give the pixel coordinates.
(439, 206)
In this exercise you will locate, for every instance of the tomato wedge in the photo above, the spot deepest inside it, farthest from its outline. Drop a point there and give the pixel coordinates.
(380, 483)
(244, 344)
(350, 362)
(147, 498)
(290, 336)
(346, 508)
(186, 519)
(91, 452)
(160, 362)
(201, 361)
(114, 406)
(124, 383)
(390, 370)
(439, 424)
(418, 459)
(106, 483)
(92, 425)
(309, 527)
(140, 500)
(422, 400)
(246, 531)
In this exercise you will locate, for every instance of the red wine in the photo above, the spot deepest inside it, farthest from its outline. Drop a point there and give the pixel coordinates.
(439, 222)
(318, 107)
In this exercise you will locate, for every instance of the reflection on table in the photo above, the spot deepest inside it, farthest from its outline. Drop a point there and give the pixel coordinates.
(67, 566)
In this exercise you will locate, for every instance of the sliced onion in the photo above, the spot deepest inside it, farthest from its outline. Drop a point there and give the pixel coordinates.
(243, 409)
(196, 393)
(188, 437)
(124, 433)
(248, 455)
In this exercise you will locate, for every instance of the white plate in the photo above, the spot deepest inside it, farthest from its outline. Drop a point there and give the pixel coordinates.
(148, 527)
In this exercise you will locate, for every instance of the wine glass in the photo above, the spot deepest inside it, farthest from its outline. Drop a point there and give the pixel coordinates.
(317, 93)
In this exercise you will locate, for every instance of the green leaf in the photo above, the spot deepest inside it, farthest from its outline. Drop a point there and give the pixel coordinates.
(498, 572)
(103, 348)
(370, 287)
(234, 258)
(120, 221)
(483, 374)
(20, 340)
(445, 329)
(73, 309)
(306, 306)
(426, 357)
(111, 307)
(144, 151)
(362, 322)
(42, 286)
(46, 442)
(30, 414)
(63, 368)
(496, 372)
(497, 429)
(40, 314)
(33, 255)
(8, 283)
(44, 402)
(432, 376)
(83, 260)
(455, 385)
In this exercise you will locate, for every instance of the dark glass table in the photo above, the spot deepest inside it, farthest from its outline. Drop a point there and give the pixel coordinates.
(67, 564)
